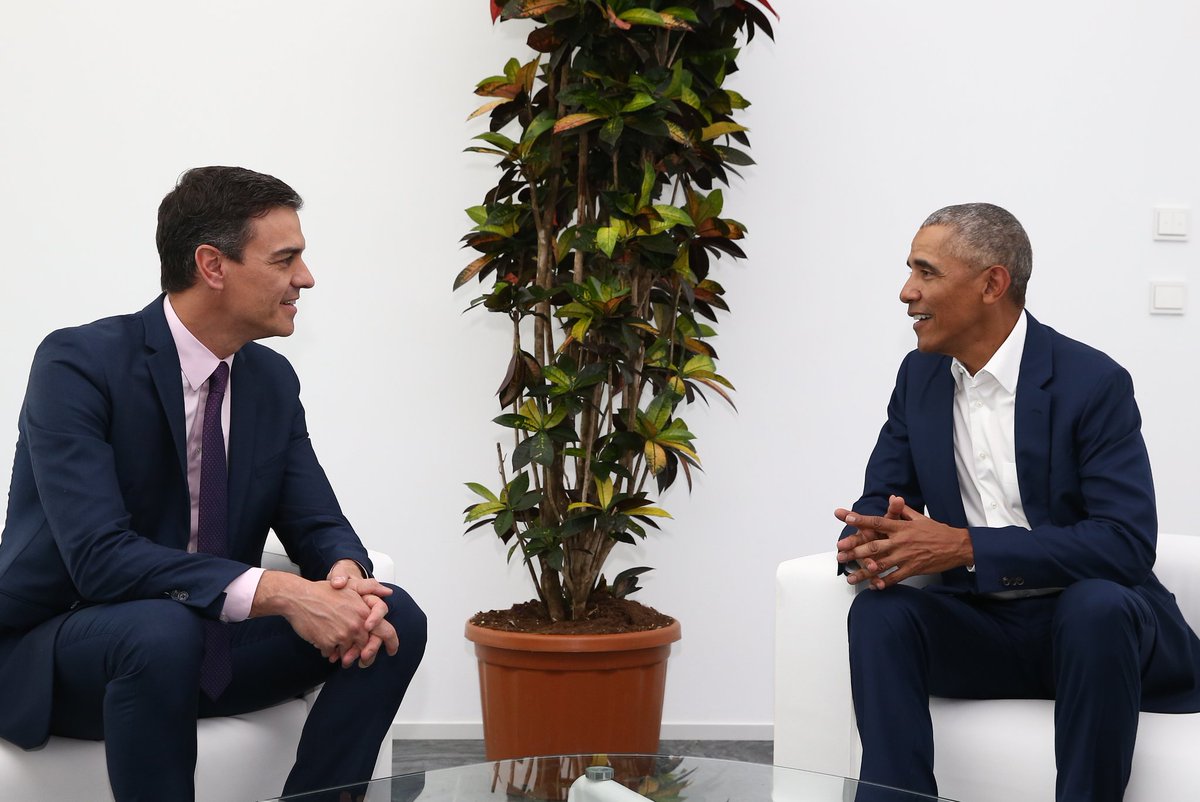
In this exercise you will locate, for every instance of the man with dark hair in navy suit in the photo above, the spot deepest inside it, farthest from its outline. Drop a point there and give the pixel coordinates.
(156, 450)
(1012, 464)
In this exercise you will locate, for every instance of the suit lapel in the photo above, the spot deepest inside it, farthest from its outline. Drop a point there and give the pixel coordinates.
(932, 439)
(1032, 429)
(163, 363)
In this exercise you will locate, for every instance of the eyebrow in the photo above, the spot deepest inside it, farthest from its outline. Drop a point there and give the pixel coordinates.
(291, 250)
(925, 264)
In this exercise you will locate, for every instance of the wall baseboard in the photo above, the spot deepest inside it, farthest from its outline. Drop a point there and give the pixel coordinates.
(473, 731)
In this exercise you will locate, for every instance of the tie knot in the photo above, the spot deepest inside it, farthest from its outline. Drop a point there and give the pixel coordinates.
(218, 380)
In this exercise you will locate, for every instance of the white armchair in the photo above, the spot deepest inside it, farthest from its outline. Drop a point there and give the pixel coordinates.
(985, 751)
(240, 758)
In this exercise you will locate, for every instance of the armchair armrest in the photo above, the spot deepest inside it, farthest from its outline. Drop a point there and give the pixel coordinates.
(814, 714)
(275, 558)
(815, 727)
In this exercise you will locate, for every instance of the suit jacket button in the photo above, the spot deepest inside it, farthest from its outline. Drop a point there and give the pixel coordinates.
(1006, 582)
(1020, 581)
(179, 595)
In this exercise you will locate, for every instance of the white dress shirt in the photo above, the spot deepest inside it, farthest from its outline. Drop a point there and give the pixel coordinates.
(985, 453)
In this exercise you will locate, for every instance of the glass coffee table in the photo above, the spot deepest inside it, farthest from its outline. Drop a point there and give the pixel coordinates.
(657, 777)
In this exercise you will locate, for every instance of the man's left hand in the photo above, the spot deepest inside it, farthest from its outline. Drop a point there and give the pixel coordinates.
(903, 540)
(346, 574)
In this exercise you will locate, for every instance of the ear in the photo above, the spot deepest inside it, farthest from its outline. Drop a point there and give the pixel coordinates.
(996, 284)
(210, 267)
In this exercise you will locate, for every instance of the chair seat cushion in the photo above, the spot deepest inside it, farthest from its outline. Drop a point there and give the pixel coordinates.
(1001, 749)
(239, 757)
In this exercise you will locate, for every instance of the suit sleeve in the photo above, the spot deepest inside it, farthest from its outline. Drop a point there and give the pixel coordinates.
(66, 422)
(1103, 520)
(308, 518)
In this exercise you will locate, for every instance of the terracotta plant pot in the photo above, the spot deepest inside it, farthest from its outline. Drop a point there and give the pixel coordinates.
(570, 694)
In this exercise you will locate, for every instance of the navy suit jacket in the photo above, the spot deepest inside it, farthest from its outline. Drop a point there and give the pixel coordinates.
(1084, 480)
(98, 509)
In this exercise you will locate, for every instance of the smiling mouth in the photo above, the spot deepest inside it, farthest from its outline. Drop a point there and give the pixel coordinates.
(919, 316)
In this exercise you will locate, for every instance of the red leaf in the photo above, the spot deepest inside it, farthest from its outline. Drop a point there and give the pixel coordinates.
(497, 10)
(764, 3)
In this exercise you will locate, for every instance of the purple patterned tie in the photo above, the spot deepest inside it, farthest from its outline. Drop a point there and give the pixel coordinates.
(216, 669)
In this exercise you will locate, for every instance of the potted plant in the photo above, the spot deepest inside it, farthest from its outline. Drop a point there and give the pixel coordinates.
(596, 243)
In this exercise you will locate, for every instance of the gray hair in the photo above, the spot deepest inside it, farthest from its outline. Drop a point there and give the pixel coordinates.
(986, 235)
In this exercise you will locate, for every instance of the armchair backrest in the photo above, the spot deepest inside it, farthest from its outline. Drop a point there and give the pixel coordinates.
(1178, 567)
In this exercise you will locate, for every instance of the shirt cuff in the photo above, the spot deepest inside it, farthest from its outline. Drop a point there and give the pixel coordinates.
(239, 596)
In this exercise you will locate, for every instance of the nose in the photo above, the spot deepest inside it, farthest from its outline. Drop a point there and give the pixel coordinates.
(303, 277)
(909, 292)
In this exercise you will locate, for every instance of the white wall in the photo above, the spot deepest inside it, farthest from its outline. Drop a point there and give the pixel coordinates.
(1078, 115)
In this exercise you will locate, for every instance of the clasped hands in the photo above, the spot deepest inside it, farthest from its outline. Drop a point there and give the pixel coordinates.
(899, 544)
(343, 615)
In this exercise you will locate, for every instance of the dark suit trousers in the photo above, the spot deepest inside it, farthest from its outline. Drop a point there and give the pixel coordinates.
(128, 673)
(1086, 648)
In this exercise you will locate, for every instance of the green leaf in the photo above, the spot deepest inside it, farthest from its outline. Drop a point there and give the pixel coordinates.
(606, 240)
(566, 241)
(659, 410)
(520, 455)
(478, 214)
(528, 501)
(648, 180)
(674, 216)
(531, 411)
(554, 418)
(503, 522)
(500, 141)
(480, 510)
(480, 490)
(611, 131)
(512, 420)
(518, 486)
(736, 100)
(542, 450)
(643, 16)
(640, 101)
(540, 125)
(554, 558)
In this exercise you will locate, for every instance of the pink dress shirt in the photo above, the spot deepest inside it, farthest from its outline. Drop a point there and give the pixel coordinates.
(197, 363)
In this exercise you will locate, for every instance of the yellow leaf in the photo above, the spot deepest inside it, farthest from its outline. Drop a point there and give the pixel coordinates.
(656, 457)
(575, 120)
(604, 492)
(651, 511)
(720, 129)
(486, 107)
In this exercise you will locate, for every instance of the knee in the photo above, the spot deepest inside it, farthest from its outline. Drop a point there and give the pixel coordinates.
(408, 620)
(1097, 608)
(161, 635)
(881, 616)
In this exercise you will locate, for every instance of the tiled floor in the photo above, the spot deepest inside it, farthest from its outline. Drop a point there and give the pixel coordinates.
(411, 756)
